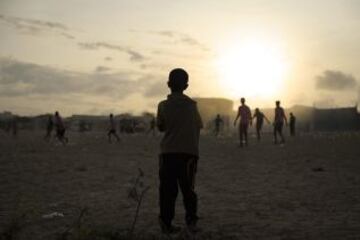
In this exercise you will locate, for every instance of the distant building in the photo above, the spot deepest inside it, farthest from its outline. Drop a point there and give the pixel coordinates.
(6, 115)
(336, 119)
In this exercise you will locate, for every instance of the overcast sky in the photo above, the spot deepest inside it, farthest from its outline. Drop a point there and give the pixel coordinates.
(93, 57)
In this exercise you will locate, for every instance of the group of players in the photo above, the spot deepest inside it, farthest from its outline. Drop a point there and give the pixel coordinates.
(60, 129)
(246, 119)
(244, 114)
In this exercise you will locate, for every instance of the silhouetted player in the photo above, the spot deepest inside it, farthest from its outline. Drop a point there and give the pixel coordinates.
(292, 122)
(60, 128)
(218, 122)
(259, 122)
(245, 119)
(112, 129)
(179, 118)
(279, 119)
(49, 128)
(152, 126)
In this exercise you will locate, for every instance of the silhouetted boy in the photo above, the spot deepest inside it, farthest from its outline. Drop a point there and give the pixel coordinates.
(179, 119)
(60, 129)
(292, 124)
(279, 119)
(112, 129)
(259, 122)
(218, 122)
(245, 119)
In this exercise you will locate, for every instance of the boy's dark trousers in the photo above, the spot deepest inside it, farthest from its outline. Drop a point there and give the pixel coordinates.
(177, 169)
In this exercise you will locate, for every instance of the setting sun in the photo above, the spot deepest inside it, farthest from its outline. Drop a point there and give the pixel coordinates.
(251, 69)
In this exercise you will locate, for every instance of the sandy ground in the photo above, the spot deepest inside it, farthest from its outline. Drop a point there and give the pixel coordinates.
(307, 189)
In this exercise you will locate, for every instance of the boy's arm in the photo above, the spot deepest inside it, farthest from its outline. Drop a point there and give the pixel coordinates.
(267, 120)
(160, 118)
(237, 116)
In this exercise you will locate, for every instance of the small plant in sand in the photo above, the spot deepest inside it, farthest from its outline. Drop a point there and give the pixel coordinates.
(76, 230)
(136, 193)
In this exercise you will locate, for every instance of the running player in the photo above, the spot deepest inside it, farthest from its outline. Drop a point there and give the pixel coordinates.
(152, 126)
(244, 113)
(60, 129)
(259, 122)
(49, 128)
(112, 129)
(218, 122)
(292, 124)
(279, 119)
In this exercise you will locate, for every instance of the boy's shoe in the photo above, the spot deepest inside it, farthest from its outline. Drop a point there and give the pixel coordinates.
(168, 229)
(193, 228)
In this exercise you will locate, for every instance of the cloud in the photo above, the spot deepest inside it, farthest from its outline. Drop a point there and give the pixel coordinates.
(181, 38)
(28, 79)
(23, 79)
(335, 81)
(156, 89)
(165, 33)
(186, 39)
(100, 69)
(35, 26)
(67, 35)
(134, 55)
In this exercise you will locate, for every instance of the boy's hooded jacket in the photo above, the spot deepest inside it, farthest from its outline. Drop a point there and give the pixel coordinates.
(179, 118)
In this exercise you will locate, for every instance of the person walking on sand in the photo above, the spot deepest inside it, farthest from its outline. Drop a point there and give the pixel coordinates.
(112, 129)
(60, 129)
(49, 128)
(279, 119)
(152, 128)
(259, 116)
(244, 113)
(292, 122)
(218, 122)
(178, 117)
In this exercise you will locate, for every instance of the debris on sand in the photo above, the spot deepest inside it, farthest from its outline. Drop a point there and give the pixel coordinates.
(52, 215)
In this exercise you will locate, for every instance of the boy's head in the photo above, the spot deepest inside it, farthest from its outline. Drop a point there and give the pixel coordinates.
(277, 103)
(178, 80)
(242, 100)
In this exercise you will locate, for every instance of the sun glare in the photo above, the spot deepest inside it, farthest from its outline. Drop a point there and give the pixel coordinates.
(251, 69)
